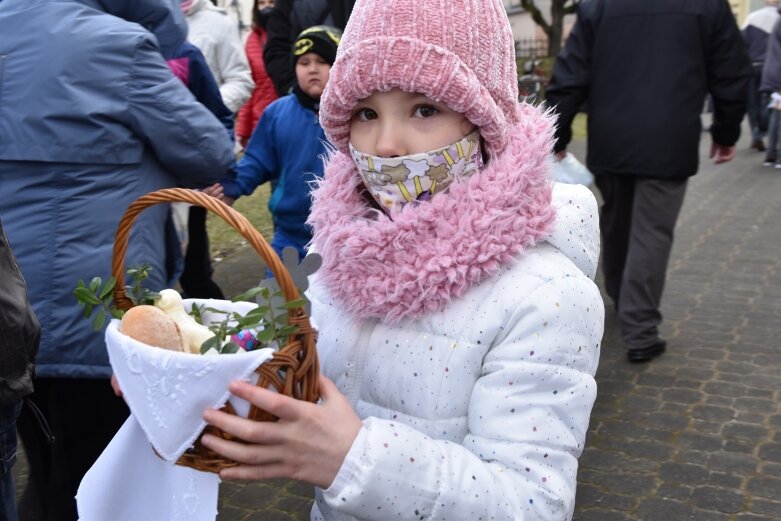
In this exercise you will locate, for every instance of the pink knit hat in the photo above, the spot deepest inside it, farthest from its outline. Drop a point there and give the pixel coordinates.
(457, 52)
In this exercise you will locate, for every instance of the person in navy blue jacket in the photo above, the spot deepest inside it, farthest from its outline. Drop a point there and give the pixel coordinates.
(91, 118)
(288, 145)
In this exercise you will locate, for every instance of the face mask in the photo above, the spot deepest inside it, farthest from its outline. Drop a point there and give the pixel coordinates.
(262, 16)
(397, 181)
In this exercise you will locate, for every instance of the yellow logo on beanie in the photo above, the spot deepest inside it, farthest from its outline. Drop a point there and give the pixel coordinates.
(303, 46)
(335, 37)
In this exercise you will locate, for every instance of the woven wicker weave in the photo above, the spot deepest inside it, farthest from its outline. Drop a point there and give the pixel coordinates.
(293, 370)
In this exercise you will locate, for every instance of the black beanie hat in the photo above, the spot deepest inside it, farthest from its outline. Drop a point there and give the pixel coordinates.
(319, 39)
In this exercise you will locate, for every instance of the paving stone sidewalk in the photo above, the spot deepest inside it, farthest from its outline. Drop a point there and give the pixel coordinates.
(694, 435)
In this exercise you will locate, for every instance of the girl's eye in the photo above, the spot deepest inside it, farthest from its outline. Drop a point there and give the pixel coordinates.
(425, 111)
(365, 114)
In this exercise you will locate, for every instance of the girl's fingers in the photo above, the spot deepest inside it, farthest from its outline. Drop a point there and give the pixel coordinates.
(283, 407)
(308, 443)
(287, 409)
(241, 452)
(329, 391)
(115, 385)
(242, 428)
(274, 470)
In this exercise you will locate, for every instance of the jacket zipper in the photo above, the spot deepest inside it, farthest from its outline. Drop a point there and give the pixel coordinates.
(367, 328)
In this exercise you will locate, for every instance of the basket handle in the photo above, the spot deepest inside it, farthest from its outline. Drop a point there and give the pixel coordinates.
(214, 205)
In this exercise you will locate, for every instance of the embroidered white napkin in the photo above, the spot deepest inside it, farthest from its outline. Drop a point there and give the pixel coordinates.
(167, 393)
(129, 482)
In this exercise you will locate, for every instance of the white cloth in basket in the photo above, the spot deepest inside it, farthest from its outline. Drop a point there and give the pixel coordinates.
(167, 393)
(130, 483)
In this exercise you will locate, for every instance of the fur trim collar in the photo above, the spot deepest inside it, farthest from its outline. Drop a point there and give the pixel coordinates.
(433, 252)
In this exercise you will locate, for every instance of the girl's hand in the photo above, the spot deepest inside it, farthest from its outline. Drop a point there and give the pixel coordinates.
(308, 443)
(115, 386)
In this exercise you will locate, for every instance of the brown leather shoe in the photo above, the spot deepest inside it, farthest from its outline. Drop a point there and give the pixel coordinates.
(758, 145)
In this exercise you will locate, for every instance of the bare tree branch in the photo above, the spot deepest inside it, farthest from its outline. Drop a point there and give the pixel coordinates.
(536, 15)
(553, 29)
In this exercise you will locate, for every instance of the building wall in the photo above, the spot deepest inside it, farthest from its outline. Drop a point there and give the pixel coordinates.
(240, 11)
(739, 9)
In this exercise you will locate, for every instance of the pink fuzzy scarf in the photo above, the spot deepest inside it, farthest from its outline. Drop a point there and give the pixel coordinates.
(433, 252)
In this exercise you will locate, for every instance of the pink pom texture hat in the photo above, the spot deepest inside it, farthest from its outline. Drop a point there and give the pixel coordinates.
(412, 45)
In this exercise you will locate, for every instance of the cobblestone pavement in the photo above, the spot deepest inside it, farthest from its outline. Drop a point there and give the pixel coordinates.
(693, 435)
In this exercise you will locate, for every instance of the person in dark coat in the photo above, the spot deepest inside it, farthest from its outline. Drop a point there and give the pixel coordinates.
(91, 118)
(643, 69)
(19, 337)
(286, 22)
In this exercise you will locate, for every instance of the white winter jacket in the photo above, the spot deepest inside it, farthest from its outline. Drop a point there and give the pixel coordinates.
(465, 332)
(481, 410)
(217, 36)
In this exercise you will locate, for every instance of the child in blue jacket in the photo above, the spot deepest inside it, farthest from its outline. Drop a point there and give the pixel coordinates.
(288, 144)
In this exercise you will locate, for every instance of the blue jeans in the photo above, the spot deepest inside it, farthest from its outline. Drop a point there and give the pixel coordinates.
(8, 415)
(774, 136)
(756, 106)
(280, 242)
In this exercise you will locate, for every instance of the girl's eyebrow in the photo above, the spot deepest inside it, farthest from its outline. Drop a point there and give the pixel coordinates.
(421, 97)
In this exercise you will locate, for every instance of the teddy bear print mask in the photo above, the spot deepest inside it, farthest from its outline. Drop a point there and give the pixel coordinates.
(397, 181)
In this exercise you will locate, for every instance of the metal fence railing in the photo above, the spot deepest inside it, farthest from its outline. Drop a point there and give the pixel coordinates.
(531, 47)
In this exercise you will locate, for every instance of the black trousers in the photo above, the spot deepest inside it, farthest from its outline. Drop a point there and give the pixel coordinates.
(196, 279)
(637, 221)
(83, 414)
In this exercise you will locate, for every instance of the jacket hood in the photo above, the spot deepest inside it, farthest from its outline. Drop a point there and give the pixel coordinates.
(163, 18)
(199, 5)
(434, 252)
(576, 231)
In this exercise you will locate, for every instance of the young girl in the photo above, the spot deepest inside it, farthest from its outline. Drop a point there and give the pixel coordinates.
(458, 322)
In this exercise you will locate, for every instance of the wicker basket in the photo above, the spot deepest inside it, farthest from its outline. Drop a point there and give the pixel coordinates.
(293, 370)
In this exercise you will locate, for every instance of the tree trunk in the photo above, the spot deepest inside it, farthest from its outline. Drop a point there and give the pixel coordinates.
(556, 28)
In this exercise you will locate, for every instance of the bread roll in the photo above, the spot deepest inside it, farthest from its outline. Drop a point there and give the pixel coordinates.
(153, 327)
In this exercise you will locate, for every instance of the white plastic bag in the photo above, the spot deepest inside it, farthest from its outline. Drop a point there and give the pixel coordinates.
(180, 212)
(775, 101)
(571, 171)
